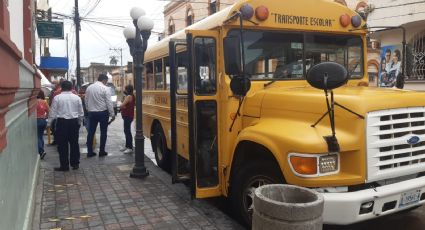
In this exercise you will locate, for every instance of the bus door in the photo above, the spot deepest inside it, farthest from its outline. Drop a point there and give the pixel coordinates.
(179, 64)
(202, 107)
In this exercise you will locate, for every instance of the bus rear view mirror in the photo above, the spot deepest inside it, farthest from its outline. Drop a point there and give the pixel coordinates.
(327, 75)
(232, 55)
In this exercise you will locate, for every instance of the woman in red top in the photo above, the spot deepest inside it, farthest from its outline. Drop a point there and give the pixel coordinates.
(42, 113)
(127, 113)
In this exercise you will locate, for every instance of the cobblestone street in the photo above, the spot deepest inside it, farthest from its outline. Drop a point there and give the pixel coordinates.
(100, 195)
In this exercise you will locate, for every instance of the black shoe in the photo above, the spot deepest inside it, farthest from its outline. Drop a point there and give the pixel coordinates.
(60, 169)
(102, 154)
(42, 155)
(54, 143)
(75, 167)
(91, 154)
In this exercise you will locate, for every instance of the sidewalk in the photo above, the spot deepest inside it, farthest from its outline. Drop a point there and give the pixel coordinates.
(100, 195)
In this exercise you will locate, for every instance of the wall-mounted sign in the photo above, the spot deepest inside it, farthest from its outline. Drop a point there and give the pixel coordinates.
(48, 29)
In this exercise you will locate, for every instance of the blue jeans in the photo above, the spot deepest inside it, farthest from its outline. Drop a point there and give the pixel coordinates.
(41, 126)
(94, 118)
(127, 132)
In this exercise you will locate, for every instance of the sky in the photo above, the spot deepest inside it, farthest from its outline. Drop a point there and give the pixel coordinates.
(96, 40)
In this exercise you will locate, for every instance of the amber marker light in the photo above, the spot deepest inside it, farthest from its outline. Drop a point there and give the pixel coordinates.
(262, 13)
(304, 165)
(345, 20)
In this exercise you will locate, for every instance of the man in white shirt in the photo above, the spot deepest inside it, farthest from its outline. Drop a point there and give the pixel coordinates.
(67, 109)
(99, 106)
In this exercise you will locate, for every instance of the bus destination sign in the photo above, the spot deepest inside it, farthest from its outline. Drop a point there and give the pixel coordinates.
(302, 20)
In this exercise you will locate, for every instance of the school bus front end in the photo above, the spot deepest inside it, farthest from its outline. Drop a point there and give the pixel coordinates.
(380, 132)
(376, 171)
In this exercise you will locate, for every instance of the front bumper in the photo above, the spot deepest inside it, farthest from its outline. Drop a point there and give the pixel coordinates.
(344, 208)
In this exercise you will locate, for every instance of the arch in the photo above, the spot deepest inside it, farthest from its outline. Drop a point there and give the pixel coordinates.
(342, 2)
(190, 16)
(373, 62)
(361, 5)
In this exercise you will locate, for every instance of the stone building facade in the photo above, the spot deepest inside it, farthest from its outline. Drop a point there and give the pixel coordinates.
(89, 74)
(180, 14)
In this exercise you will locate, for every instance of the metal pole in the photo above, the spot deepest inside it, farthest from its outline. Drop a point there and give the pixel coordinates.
(139, 169)
(122, 73)
(77, 45)
(67, 56)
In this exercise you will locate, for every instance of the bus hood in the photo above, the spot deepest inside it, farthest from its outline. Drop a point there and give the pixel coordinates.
(310, 100)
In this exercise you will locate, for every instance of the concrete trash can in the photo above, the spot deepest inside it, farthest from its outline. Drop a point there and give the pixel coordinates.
(289, 207)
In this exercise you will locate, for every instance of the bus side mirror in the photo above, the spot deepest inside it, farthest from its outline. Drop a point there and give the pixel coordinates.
(327, 75)
(232, 55)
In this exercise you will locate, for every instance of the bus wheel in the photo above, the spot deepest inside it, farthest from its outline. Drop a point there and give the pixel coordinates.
(162, 155)
(250, 177)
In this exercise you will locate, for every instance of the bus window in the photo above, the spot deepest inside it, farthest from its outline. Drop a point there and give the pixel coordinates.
(167, 72)
(159, 81)
(148, 76)
(182, 63)
(205, 73)
(343, 49)
(273, 54)
(207, 153)
(283, 55)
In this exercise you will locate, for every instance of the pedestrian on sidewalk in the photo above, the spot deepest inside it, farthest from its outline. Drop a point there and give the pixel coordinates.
(100, 108)
(42, 113)
(67, 109)
(127, 113)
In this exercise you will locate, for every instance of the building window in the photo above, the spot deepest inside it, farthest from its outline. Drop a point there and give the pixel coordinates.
(213, 6)
(189, 17)
(171, 27)
(417, 57)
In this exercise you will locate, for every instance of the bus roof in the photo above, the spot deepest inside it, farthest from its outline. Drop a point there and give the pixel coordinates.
(300, 15)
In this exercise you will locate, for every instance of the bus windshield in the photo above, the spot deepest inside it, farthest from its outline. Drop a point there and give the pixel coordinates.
(289, 55)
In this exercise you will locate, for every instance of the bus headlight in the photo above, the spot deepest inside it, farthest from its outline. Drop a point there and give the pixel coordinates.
(328, 163)
(314, 165)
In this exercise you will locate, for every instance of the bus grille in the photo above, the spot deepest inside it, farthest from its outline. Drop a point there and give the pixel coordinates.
(395, 143)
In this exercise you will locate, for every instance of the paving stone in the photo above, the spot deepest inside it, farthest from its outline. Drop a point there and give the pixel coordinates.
(101, 196)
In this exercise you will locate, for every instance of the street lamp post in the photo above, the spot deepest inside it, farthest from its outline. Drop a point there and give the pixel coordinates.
(137, 39)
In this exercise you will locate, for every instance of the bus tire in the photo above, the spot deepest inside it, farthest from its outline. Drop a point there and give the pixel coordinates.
(249, 177)
(162, 154)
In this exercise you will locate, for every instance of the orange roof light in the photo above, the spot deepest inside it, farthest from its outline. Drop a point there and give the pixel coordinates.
(262, 13)
(345, 20)
(304, 165)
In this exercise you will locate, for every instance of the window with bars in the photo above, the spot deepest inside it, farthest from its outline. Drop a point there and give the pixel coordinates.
(417, 44)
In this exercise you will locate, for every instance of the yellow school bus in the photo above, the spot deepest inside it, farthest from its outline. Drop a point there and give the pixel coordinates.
(228, 107)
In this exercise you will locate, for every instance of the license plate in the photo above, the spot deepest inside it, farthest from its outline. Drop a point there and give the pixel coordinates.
(409, 198)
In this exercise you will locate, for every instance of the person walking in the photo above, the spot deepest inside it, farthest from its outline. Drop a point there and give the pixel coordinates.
(42, 113)
(67, 109)
(127, 113)
(99, 106)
